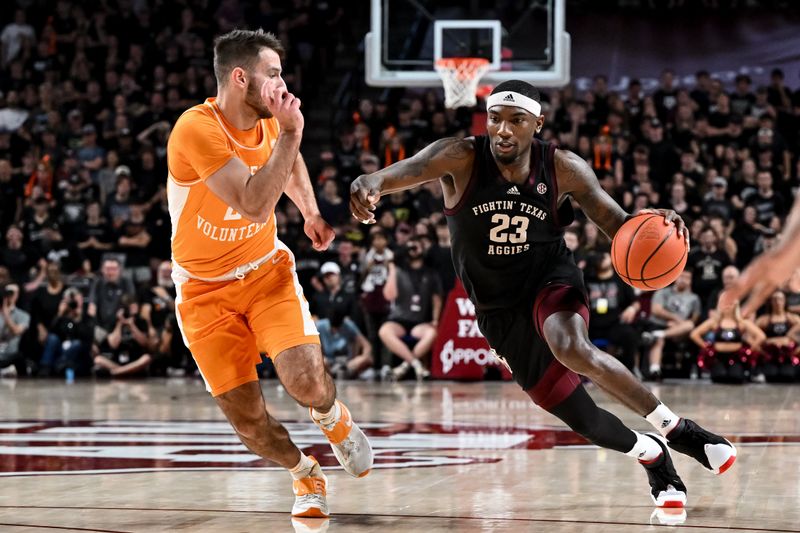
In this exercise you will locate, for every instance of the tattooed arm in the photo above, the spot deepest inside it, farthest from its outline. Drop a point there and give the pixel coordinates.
(577, 179)
(447, 159)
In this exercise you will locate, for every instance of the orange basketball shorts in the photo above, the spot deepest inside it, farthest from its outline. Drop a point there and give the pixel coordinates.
(228, 324)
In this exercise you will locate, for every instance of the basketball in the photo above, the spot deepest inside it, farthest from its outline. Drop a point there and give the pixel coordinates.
(647, 253)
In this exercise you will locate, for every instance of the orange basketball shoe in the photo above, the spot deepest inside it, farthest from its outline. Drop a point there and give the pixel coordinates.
(350, 446)
(310, 494)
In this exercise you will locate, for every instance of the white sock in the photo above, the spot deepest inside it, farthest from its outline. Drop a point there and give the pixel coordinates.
(416, 363)
(303, 468)
(328, 417)
(645, 449)
(663, 419)
(655, 368)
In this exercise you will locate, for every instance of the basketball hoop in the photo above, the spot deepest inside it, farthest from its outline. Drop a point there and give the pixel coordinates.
(460, 77)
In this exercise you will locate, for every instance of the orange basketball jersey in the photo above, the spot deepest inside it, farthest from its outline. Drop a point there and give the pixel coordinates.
(209, 238)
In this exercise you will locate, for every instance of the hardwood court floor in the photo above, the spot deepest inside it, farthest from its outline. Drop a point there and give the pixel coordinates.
(156, 455)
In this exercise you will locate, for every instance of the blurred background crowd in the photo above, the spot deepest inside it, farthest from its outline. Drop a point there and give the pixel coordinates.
(89, 91)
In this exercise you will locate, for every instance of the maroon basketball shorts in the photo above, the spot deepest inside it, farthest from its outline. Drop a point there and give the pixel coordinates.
(516, 335)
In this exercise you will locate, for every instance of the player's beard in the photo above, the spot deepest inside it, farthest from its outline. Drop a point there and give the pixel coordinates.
(506, 159)
(253, 100)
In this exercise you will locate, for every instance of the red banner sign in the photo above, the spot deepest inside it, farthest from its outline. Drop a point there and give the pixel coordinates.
(460, 351)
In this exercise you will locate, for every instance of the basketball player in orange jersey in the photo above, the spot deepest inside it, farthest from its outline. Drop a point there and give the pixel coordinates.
(506, 202)
(770, 270)
(230, 159)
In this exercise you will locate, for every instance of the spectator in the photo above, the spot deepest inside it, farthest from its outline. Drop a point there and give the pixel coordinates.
(416, 296)
(767, 202)
(13, 324)
(134, 242)
(747, 234)
(105, 297)
(350, 268)
(613, 308)
(793, 293)
(331, 205)
(716, 201)
(706, 264)
(674, 313)
(126, 350)
(347, 352)
(118, 203)
(11, 192)
(729, 275)
(41, 230)
(68, 345)
(331, 297)
(94, 235)
(90, 155)
(780, 346)
(15, 257)
(17, 39)
(44, 305)
(441, 259)
(376, 272)
(742, 98)
(725, 339)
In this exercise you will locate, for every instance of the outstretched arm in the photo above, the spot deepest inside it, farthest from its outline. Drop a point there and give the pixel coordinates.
(769, 270)
(575, 177)
(444, 158)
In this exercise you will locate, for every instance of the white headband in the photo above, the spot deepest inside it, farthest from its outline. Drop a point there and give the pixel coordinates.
(510, 98)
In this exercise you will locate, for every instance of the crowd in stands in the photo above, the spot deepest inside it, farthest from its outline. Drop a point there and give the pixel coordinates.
(86, 106)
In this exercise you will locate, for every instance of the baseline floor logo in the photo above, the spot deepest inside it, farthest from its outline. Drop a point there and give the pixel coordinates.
(100, 447)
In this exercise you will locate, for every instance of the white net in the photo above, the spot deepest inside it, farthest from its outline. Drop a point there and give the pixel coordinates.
(460, 77)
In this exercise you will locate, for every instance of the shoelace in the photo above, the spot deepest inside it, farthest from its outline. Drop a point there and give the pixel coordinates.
(312, 500)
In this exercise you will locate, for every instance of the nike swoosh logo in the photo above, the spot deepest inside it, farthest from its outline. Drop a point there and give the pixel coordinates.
(348, 422)
(276, 260)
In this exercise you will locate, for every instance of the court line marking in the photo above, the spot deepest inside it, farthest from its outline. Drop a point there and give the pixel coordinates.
(64, 528)
(386, 515)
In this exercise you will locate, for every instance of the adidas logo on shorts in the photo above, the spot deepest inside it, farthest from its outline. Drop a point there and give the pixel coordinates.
(513, 190)
(509, 98)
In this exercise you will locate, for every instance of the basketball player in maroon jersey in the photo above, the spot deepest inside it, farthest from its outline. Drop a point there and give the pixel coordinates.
(506, 205)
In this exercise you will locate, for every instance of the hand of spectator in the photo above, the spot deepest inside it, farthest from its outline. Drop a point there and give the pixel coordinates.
(671, 217)
(283, 105)
(162, 293)
(628, 315)
(320, 232)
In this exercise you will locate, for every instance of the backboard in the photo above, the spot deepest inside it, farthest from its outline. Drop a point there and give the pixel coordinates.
(522, 39)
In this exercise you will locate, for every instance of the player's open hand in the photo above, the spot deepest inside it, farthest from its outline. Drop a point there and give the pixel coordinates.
(283, 105)
(364, 196)
(760, 279)
(320, 232)
(670, 217)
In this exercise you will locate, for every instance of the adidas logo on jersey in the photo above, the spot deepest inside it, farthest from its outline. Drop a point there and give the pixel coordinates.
(509, 98)
(513, 190)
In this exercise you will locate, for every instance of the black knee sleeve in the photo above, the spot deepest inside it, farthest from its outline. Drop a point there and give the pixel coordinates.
(596, 425)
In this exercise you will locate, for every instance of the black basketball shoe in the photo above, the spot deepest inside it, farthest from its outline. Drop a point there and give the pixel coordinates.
(666, 487)
(712, 451)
